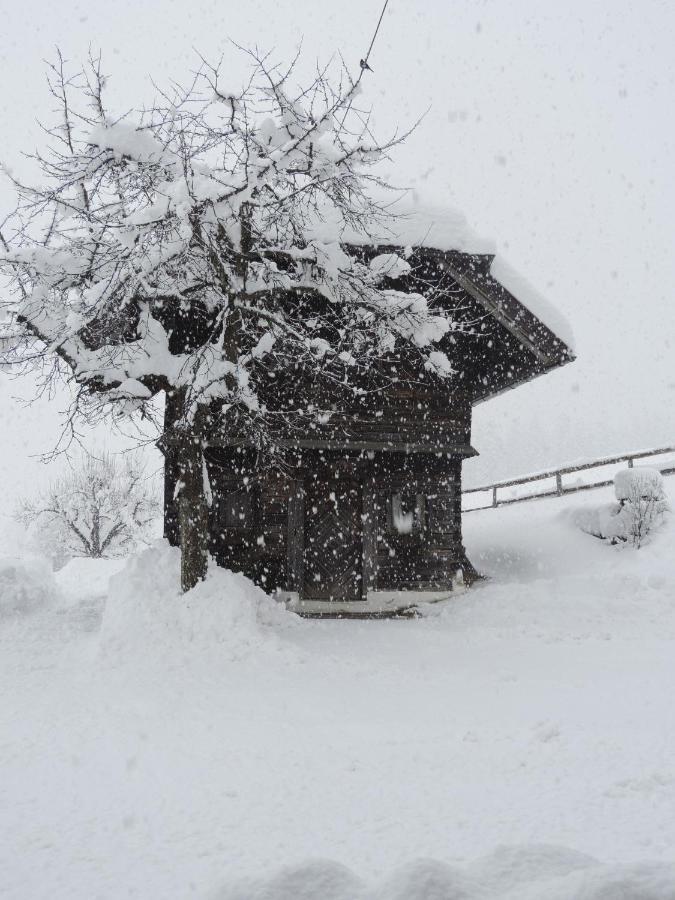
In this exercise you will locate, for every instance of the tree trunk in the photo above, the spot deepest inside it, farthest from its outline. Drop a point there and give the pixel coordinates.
(172, 415)
(186, 513)
(193, 511)
(96, 533)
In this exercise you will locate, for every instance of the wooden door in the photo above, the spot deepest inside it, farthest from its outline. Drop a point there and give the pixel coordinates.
(333, 568)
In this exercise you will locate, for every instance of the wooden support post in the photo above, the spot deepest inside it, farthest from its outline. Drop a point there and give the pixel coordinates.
(558, 484)
(295, 544)
(630, 462)
(494, 496)
(369, 532)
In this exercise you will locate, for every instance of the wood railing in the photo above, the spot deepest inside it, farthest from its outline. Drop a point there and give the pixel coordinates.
(560, 488)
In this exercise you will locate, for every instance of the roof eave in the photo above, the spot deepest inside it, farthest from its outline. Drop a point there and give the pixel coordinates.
(505, 387)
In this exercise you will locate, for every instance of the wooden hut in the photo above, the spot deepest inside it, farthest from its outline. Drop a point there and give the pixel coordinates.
(364, 515)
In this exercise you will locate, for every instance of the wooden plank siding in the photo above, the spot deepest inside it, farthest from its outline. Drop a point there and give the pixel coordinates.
(426, 559)
(402, 420)
(272, 524)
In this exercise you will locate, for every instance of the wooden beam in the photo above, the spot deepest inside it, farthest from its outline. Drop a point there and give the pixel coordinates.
(295, 543)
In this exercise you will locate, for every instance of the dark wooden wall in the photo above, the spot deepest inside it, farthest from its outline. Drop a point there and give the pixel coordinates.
(326, 528)
(249, 517)
(428, 557)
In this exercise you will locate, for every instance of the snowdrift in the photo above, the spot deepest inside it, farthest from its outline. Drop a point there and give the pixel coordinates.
(510, 873)
(84, 579)
(146, 615)
(188, 746)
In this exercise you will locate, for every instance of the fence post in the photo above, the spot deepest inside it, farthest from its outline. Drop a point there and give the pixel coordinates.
(630, 462)
(558, 484)
(494, 496)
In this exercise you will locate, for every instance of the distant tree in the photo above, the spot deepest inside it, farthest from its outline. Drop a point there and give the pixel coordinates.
(203, 249)
(105, 507)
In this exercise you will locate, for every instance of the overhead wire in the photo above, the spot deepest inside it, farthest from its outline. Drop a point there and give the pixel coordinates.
(377, 28)
(362, 67)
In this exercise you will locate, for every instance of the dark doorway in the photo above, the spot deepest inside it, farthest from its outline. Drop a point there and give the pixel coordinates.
(333, 539)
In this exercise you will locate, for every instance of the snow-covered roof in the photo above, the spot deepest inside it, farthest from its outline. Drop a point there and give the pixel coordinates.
(425, 225)
(443, 228)
(413, 224)
(418, 233)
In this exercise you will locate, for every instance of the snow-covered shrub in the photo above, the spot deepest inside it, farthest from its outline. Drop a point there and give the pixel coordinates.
(26, 585)
(642, 502)
(638, 483)
(641, 506)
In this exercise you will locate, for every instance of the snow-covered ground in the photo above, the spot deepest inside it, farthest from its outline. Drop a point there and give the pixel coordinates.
(515, 743)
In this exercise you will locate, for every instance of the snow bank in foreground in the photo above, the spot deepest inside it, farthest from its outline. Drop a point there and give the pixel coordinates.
(26, 586)
(510, 873)
(147, 614)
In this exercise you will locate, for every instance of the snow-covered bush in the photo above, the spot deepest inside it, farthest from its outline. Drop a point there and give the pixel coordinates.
(641, 506)
(642, 501)
(638, 483)
(26, 585)
(105, 507)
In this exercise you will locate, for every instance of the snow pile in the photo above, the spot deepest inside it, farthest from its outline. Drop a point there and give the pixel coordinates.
(605, 522)
(85, 579)
(411, 223)
(510, 873)
(26, 586)
(421, 224)
(147, 614)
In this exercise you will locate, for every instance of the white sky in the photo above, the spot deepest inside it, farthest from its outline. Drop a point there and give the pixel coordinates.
(550, 127)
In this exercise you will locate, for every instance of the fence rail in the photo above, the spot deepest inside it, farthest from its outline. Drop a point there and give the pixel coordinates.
(561, 488)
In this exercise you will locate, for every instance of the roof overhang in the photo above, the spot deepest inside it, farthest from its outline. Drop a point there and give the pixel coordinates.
(526, 345)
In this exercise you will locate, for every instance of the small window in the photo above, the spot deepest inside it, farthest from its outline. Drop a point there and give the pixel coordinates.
(407, 513)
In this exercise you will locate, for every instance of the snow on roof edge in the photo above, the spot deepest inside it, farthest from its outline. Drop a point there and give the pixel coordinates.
(418, 224)
(531, 299)
(423, 225)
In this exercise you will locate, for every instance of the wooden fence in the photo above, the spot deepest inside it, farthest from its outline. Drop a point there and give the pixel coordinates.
(558, 479)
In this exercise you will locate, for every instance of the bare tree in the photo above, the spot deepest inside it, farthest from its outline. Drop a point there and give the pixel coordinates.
(105, 507)
(207, 248)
